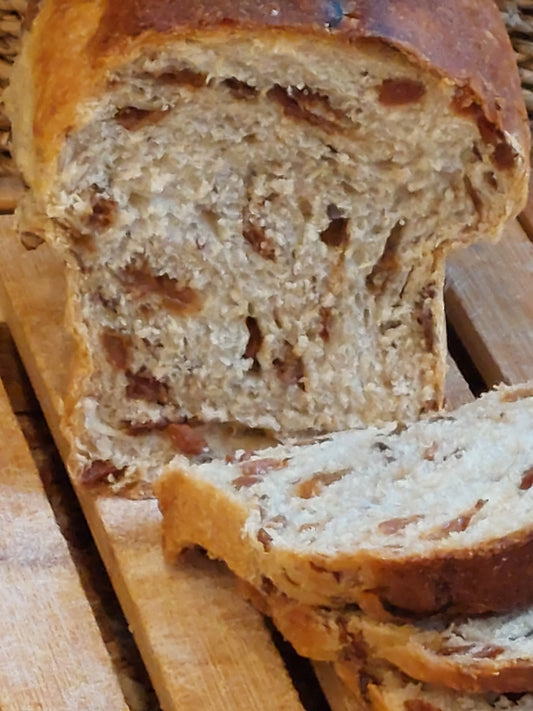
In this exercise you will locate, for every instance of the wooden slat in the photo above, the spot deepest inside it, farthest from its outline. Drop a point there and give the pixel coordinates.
(489, 300)
(203, 646)
(52, 656)
(457, 390)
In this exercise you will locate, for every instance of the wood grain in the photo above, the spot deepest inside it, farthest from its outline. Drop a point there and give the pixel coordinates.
(52, 656)
(489, 300)
(203, 646)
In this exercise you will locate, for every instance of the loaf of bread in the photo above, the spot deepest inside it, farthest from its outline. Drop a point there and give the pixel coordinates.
(379, 687)
(426, 518)
(490, 653)
(255, 201)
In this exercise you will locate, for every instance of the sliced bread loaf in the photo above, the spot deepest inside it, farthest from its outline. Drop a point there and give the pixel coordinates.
(379, 687)
(492, 653)
(255, 200)
(433, 517)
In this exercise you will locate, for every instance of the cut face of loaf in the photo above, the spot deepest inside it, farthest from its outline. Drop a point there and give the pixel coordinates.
(379, 687)
(256, 228)
(477, 655)
(432, 518)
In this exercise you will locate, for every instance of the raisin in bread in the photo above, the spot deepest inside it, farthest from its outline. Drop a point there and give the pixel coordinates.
(377, 686)
(479, 654)
(255, 201)
(430, 517)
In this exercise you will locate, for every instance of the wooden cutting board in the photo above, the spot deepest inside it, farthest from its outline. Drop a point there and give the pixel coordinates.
(52, 656)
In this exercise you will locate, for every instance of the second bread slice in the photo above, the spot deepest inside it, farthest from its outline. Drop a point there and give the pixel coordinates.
(431, 518)
(492, 653)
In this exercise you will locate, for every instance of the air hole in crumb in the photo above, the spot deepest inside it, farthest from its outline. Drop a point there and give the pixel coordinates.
(182, 77)
(387, 263)
(310, 106)
(139, 428)
(103, 212)
(326, 322)
(476, 152)
(133, 118)
(240, 89)
(336, 233)
(255, 341)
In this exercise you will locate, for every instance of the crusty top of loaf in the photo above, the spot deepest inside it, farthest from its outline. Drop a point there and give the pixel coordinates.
(464, 41)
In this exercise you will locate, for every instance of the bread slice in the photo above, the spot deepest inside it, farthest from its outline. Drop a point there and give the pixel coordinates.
(432, 517)
(255, 203)
(379, 687)
(492, 653)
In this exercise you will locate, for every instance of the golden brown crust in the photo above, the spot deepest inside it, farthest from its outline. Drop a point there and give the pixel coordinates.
(470, 57)
(463, 41)
(350, 637)
(494, 577)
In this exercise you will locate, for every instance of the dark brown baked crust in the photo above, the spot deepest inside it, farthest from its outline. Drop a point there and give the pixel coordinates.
(498, 578)
(462, 41)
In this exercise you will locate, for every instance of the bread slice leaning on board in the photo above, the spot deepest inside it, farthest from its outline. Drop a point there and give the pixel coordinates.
(432, 517)
(255, 201)
(489, 653)
(379, 687)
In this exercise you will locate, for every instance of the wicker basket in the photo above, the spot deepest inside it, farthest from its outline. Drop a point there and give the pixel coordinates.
(11, 14)
(518, 16)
